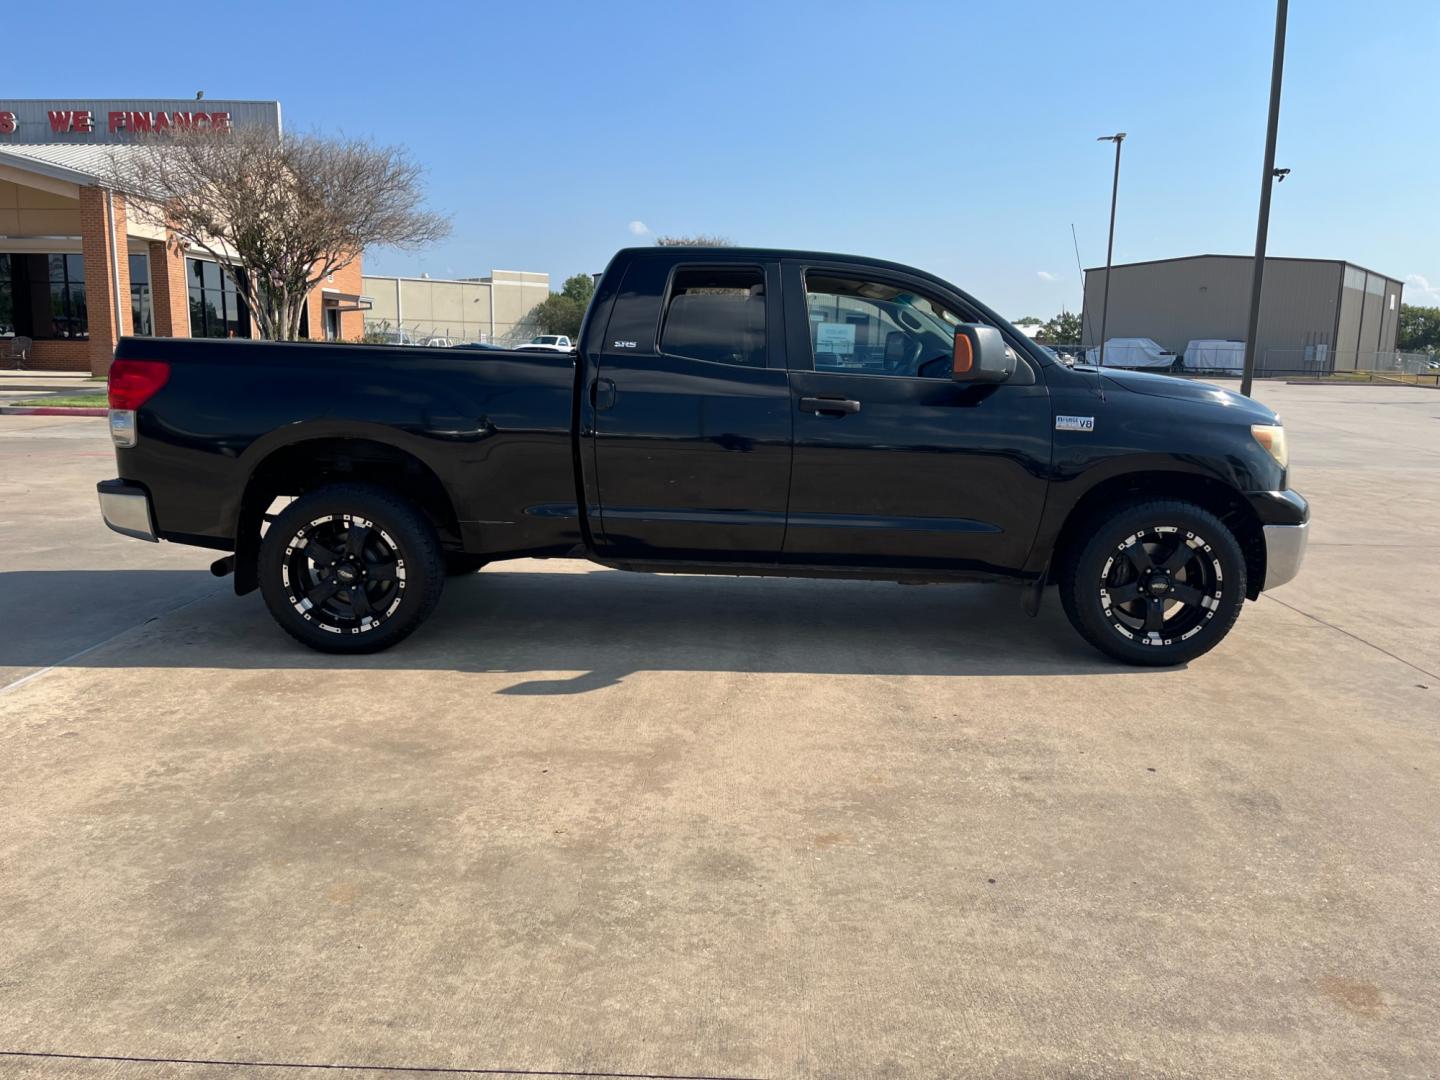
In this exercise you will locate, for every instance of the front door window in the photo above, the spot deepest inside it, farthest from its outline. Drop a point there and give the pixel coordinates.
(871, 328)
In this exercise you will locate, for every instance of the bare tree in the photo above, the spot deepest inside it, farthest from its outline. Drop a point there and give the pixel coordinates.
(698, 240)
(286, 213)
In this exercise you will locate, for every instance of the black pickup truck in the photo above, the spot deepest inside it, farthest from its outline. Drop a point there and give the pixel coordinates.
(729, 411)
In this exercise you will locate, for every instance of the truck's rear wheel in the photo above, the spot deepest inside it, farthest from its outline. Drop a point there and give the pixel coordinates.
(350, 568)
(1153, 583)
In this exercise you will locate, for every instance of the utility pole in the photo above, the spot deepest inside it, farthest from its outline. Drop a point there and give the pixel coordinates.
(1267, 178)
(1117, 139)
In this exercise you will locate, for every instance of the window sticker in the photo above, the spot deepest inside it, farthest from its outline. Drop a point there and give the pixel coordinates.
(836, 338)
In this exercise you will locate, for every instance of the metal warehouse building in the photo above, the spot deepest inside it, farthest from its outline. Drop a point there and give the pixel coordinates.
(1315, 314)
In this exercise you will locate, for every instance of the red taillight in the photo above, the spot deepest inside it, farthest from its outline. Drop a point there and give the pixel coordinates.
(134, 382)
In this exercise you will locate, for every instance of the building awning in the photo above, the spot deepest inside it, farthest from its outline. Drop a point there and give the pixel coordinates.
(341, 301)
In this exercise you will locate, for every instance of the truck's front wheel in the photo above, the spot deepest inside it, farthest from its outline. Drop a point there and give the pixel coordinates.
(350, 568)
(1154, 583)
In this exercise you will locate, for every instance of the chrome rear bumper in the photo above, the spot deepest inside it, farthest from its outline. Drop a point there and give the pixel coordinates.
(1284, 552)
(126, 509)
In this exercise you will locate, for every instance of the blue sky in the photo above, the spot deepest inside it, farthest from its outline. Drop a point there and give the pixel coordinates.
(959, 137)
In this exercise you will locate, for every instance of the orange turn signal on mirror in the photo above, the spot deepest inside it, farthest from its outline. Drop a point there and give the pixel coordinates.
(964, 355)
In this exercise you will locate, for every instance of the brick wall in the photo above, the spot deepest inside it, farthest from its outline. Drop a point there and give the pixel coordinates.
(352, 323)
(169, 295)
(59, 356)
(102, 297)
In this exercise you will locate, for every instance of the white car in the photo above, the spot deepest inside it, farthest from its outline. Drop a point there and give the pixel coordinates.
(438, 343)
(548, 342)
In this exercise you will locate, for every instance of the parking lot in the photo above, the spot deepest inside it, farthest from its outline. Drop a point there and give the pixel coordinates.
(593, 823)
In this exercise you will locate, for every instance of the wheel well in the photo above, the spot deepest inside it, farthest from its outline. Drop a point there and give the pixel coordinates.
(1222, 501)
(306, 466)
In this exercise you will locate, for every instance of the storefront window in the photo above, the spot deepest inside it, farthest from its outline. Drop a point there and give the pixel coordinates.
(42, 296)
(68, 315)
(140, 314)
(215, 306)
(7, 299)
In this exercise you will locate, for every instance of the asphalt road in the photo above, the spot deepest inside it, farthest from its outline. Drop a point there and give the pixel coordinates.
(595, 823)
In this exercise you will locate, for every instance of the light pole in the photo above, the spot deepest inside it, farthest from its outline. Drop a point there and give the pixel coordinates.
(1117, 139)
(1269, 176)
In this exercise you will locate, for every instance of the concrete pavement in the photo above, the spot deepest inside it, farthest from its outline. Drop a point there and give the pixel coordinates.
(599, 823)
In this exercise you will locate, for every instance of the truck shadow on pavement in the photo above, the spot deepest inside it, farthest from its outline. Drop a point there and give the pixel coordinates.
(576, 632)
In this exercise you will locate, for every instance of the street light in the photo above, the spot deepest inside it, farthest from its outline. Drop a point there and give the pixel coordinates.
(1268, 177)
(1117, 139)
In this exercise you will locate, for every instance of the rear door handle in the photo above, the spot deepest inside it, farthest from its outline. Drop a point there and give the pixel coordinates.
(829, 406)
(602, 394)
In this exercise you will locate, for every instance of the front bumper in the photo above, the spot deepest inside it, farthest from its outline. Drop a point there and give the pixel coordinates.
(1284, 552)
(126, 509)
(1285, 517)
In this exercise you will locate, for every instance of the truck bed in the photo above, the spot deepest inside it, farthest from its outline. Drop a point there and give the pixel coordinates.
(493, 427)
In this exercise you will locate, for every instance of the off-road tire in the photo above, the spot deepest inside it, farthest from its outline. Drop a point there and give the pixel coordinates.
(398, 544)
(1105, 548)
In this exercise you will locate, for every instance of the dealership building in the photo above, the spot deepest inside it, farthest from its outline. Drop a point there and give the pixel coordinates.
(79, 268)
(1315, 314)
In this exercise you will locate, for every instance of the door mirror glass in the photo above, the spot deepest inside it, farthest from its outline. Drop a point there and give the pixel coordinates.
(981, 355)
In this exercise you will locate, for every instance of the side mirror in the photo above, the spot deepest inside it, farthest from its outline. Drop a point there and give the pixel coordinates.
(981, 355)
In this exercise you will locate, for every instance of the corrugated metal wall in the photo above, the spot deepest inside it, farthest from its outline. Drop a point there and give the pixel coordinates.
(1391, 332)
(1171, 302)
(1208, 296)
(1369, 318)
(1347, 337)
(1298, 305)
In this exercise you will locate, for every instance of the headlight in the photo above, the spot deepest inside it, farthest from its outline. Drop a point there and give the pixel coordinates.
(1272, 438)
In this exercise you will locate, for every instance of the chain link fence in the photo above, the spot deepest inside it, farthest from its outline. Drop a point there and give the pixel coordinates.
(1305, 362)
(442, 335)
(1319, 361)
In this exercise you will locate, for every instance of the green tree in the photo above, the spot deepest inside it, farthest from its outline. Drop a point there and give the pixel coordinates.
(1419, 329)
(562, 312)
(1063, 329)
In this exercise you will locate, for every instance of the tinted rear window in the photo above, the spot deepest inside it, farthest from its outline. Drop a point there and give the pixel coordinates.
(717, 315)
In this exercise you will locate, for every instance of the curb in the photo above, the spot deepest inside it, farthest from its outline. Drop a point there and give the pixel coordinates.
(1349, 383)
(50, 388)
(49, 410)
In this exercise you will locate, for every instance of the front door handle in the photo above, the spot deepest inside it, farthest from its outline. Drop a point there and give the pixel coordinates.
(829, 406)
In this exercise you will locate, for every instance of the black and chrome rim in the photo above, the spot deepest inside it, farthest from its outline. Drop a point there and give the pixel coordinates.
(1161, 585)
(343, 573)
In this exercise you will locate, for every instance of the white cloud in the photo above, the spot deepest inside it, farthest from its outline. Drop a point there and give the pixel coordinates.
(1045, 275)
(1420, 292)
(639, 228)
